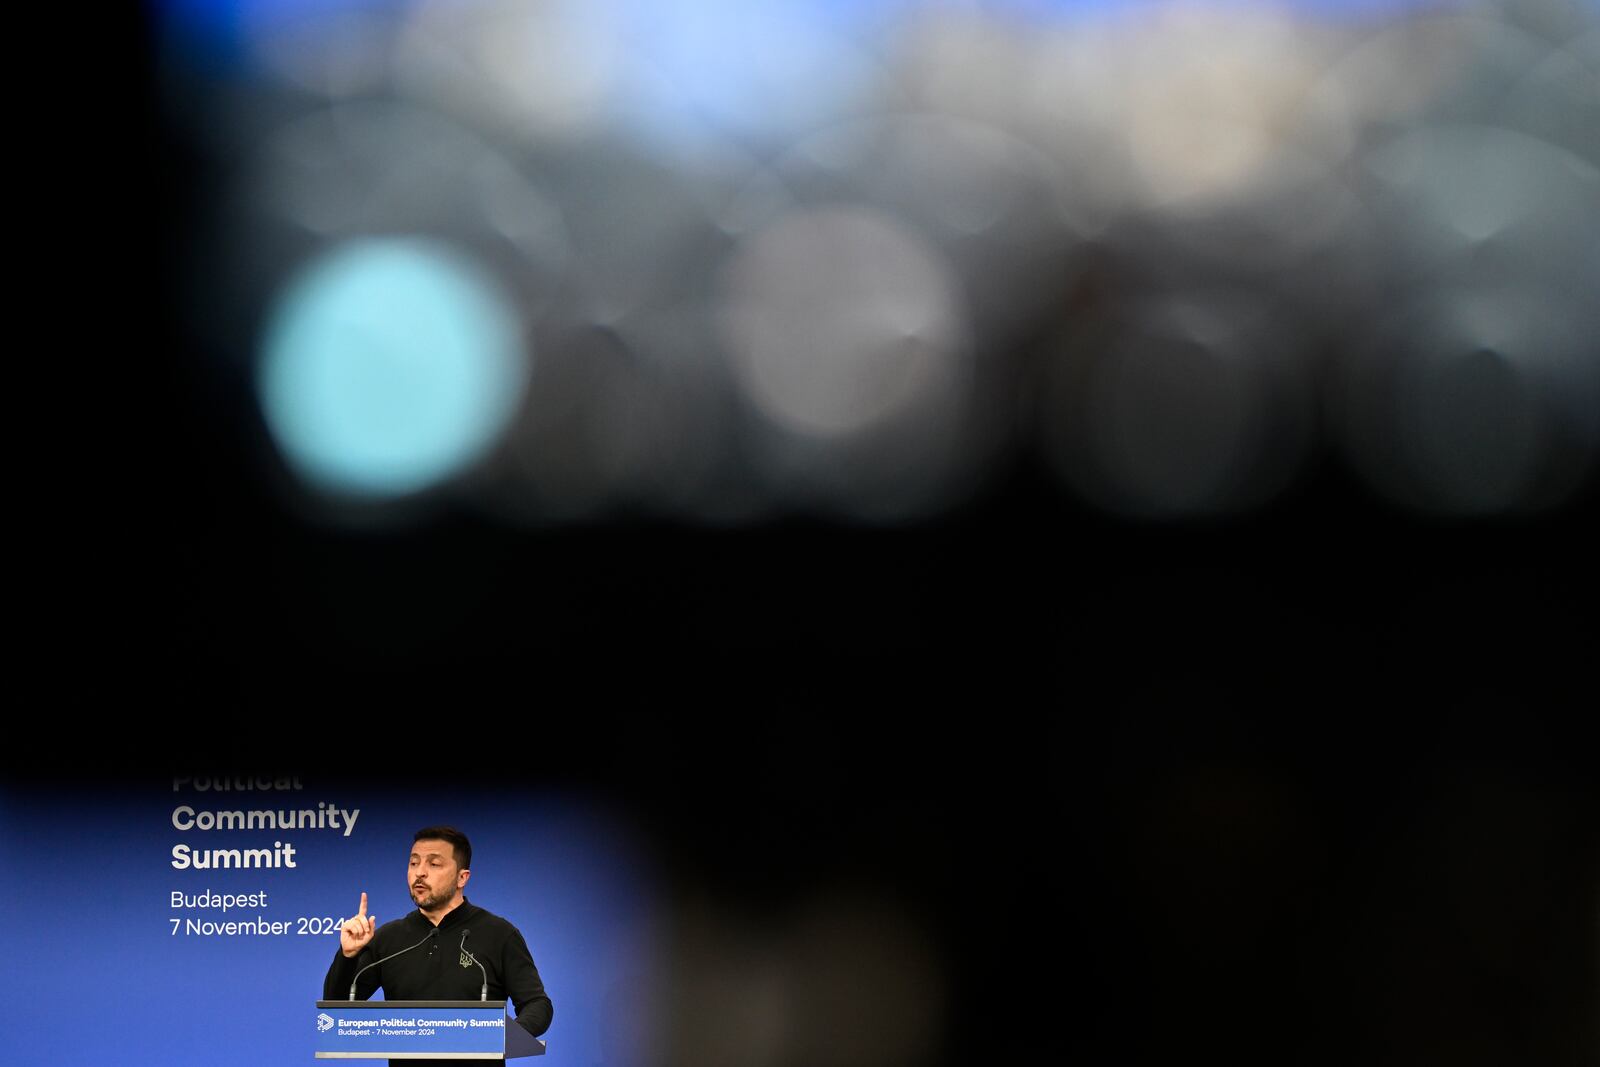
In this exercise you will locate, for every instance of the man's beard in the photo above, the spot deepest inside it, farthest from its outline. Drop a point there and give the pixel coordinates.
(435, 900)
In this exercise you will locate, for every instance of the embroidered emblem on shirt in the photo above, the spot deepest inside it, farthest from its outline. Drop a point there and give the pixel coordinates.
(465, 962)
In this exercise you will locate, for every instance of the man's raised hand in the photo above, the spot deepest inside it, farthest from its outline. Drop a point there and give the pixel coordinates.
(357, 931)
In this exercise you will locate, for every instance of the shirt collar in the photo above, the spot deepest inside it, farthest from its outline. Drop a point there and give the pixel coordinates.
(454, 917)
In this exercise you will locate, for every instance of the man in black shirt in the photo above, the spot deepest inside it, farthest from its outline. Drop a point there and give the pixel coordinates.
(444, 929)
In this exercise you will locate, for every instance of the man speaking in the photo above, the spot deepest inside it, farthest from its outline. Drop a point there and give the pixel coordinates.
(435, 952)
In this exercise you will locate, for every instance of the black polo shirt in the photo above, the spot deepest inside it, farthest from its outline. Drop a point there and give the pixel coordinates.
(436, 969)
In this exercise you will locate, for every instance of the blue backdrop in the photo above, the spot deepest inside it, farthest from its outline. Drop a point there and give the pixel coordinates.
(101, 973)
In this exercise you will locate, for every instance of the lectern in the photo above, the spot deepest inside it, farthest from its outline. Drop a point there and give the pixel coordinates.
(420, 1030)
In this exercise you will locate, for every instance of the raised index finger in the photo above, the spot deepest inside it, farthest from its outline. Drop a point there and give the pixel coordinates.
(363, 911)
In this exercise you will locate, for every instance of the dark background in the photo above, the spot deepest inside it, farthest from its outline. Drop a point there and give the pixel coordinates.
(1303, 787)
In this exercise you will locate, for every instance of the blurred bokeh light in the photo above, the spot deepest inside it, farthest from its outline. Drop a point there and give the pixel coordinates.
(856, 260)
(388, 366)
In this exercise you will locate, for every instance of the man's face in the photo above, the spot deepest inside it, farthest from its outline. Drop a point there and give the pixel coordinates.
(434, 874)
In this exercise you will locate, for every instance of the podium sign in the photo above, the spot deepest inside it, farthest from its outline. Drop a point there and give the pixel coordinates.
(417, 1030)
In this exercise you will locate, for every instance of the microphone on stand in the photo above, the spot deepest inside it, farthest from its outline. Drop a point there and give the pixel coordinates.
(386, 959)
(483, 994)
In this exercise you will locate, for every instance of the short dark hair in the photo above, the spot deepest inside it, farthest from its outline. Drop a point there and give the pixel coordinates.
(458, 842)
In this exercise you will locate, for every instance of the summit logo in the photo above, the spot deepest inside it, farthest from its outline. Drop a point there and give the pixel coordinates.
(324, 1023)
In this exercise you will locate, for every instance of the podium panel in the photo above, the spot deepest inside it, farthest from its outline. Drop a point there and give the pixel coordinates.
(419, 1030)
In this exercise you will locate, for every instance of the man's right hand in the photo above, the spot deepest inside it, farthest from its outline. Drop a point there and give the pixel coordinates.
(357, 931)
